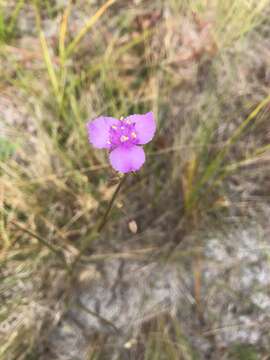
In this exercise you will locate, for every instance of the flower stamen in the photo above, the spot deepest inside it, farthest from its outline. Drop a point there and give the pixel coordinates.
(124, 138)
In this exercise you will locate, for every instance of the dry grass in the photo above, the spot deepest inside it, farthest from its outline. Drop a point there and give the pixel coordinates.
(194, 64)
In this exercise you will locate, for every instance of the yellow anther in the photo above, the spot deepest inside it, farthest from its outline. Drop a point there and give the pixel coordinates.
(114, 127)
(121, 118)
(133, 135)
(124, 138)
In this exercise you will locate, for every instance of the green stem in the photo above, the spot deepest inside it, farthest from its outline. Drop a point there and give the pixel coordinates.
(103, 221)
(106, 214)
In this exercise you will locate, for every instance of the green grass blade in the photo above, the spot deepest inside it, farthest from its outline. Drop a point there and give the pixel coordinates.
(49, 65)
(93, 19)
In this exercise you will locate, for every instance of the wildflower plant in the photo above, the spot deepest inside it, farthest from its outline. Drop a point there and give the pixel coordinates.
(123, 138)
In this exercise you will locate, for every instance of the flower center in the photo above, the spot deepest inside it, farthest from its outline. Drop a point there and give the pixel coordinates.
(123, 134)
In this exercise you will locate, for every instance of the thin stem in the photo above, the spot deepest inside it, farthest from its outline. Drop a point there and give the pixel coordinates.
(103, 221)
(105, 216)
(101, 318)
(42, 241)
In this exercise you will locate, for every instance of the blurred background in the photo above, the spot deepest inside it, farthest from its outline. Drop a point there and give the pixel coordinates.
(181, 270)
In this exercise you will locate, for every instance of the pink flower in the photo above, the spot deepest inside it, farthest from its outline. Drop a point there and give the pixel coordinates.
(123, 139)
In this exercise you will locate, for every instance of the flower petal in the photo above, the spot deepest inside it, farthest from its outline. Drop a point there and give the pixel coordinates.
(145, 126)
(98, 131)
(127, 159)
